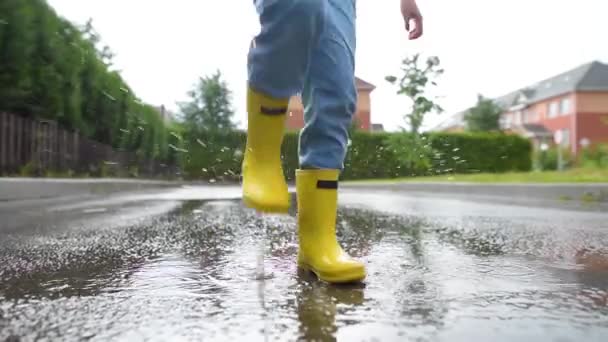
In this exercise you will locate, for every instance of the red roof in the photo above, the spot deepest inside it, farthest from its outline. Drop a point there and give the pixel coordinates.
(363, 85)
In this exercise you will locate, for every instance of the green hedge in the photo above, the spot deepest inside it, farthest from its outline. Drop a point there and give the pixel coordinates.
(53, 69)
(480, 152)
(218, 157)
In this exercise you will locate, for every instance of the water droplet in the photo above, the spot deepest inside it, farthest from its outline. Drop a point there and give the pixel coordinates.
(177, 149)
(456, 149)
(108, 96)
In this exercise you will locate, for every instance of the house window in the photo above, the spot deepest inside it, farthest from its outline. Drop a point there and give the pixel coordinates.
(506, 121)
(518, 117)
(553, 109)
(564, 107)
(530, 117)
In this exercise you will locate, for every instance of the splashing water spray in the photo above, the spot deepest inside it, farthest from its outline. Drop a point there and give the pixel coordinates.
(261, 277)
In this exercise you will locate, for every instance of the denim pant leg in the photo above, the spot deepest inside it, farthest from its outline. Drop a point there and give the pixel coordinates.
(330, 94)
(279, 56)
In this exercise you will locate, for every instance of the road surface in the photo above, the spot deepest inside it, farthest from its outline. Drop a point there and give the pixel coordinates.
(192, 264)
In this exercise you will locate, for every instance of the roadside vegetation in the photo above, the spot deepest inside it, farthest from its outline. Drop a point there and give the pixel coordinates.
(52, 69)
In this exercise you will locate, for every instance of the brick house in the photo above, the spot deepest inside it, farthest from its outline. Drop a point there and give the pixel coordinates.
(574, 102)
(295, 119)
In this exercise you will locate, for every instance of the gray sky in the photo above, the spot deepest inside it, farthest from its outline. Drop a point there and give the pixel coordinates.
(488, 47)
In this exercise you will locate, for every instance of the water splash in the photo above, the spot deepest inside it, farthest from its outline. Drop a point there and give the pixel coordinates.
(177, 149)
(106, 94)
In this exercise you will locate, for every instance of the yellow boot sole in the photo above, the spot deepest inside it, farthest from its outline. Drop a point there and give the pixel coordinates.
(264, 207)
(354, 275)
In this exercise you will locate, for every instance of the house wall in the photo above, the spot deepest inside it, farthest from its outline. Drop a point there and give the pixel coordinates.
(539, 113)
(363, 113)
(592, 102)
(592, 117)
(587, 117)
(295, 112)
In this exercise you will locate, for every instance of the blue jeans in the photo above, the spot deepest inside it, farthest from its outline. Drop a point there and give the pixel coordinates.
(308, 47)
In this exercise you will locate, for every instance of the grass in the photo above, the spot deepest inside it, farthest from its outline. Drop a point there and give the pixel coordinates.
(579, 175)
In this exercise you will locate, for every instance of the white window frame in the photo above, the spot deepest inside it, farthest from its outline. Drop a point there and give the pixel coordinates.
(561, 106)
(530, 117)
(553, 109)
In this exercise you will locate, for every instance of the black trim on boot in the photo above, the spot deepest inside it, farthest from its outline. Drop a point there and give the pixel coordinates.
(273, 111)
(326, 184)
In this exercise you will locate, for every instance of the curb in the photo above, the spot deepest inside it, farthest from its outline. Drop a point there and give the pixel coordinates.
(18, 189)
(587, 192)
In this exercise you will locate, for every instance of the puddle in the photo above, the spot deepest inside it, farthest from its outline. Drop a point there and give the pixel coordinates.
(216, 271)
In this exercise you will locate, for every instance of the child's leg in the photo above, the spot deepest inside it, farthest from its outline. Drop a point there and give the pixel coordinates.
(330, 94)
(277, 64)
(330, 100)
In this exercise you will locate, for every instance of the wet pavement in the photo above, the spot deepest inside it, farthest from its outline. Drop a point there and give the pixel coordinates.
(193, 264)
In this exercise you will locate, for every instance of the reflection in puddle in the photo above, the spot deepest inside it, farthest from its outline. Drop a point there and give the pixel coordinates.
(213, 270)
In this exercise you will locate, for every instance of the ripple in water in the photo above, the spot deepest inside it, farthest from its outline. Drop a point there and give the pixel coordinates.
(223, 273)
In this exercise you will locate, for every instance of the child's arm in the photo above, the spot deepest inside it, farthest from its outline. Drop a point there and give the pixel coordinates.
(410, 12)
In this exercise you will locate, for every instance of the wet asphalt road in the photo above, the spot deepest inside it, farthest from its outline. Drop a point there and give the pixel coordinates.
(193, 264)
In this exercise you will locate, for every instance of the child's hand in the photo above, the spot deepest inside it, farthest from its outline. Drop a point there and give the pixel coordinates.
(410, 12)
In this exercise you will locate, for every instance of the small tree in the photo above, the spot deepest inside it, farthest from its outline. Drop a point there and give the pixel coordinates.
(484, 116)
(417, 77)
(210, 107)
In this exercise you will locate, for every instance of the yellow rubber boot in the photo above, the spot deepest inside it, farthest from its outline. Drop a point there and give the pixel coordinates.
(319, 252)
(264, 186)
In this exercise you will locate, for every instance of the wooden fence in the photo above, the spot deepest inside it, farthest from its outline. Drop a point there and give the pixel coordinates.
(36, 147)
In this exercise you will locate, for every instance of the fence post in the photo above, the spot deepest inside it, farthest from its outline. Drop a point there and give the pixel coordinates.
(19, 130)
(63, 150)
(27, 142)
(3, 137)
(2, 141)
(34, 157)
(10, 142)
(75, 150)
(54, 150)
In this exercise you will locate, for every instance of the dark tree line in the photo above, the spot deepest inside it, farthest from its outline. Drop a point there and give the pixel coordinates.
(53, 69)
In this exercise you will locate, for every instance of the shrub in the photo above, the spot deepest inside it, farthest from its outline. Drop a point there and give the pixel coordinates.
(372, 155)
(480, 152)
(596, 156)
(548, 160)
